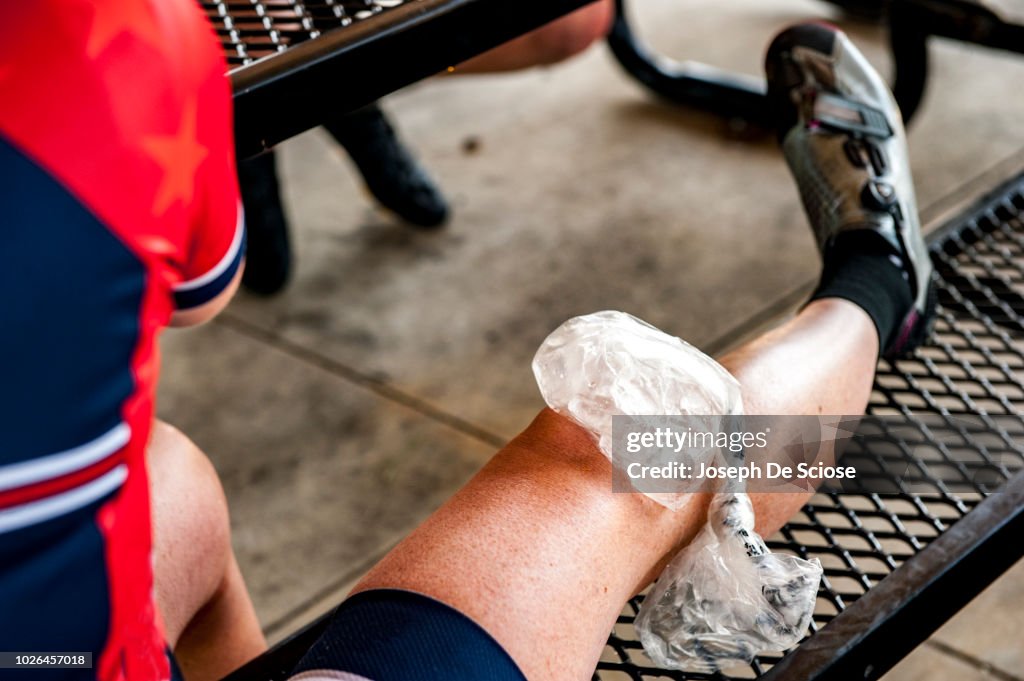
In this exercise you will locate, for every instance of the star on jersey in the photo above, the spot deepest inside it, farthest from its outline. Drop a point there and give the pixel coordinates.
(179, 156)
(131, 17)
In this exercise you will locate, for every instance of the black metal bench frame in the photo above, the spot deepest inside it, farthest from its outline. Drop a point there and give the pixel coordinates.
(298, 88)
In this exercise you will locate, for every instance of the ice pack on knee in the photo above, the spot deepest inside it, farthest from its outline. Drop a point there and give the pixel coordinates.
(593, 367)
(725, 597)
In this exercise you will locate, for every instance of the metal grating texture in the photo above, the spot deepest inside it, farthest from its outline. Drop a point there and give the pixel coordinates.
(973, 368)
(251, 29)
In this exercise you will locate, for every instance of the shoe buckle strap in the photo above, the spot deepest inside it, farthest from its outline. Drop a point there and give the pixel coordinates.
(844, 115)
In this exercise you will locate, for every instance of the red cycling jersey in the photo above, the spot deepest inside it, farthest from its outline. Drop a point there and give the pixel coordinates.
(119, 205)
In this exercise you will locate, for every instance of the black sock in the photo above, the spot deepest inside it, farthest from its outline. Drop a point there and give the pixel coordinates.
(861, 266)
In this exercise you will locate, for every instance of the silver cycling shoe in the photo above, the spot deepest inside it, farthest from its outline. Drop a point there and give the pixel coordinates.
(842, 135)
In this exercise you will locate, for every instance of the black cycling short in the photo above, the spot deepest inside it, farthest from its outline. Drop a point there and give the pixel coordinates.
(392, 635)
(176, 674)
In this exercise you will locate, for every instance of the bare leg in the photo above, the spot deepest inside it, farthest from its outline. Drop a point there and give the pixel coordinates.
(550, 44)
(538, 550)
(210, 622)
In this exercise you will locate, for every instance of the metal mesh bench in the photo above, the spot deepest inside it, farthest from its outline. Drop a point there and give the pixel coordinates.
(294, 63)
(896, 565)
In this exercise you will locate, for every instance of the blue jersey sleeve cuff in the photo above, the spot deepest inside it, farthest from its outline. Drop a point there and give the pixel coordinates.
(203, 289)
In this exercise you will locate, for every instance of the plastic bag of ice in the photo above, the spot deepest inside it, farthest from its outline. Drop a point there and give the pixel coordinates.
(725, 598)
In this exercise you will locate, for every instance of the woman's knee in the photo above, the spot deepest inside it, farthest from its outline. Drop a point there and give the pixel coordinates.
(191, 528)
(570, 35)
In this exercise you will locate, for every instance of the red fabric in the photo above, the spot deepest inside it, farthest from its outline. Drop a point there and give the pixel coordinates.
(127, 104)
